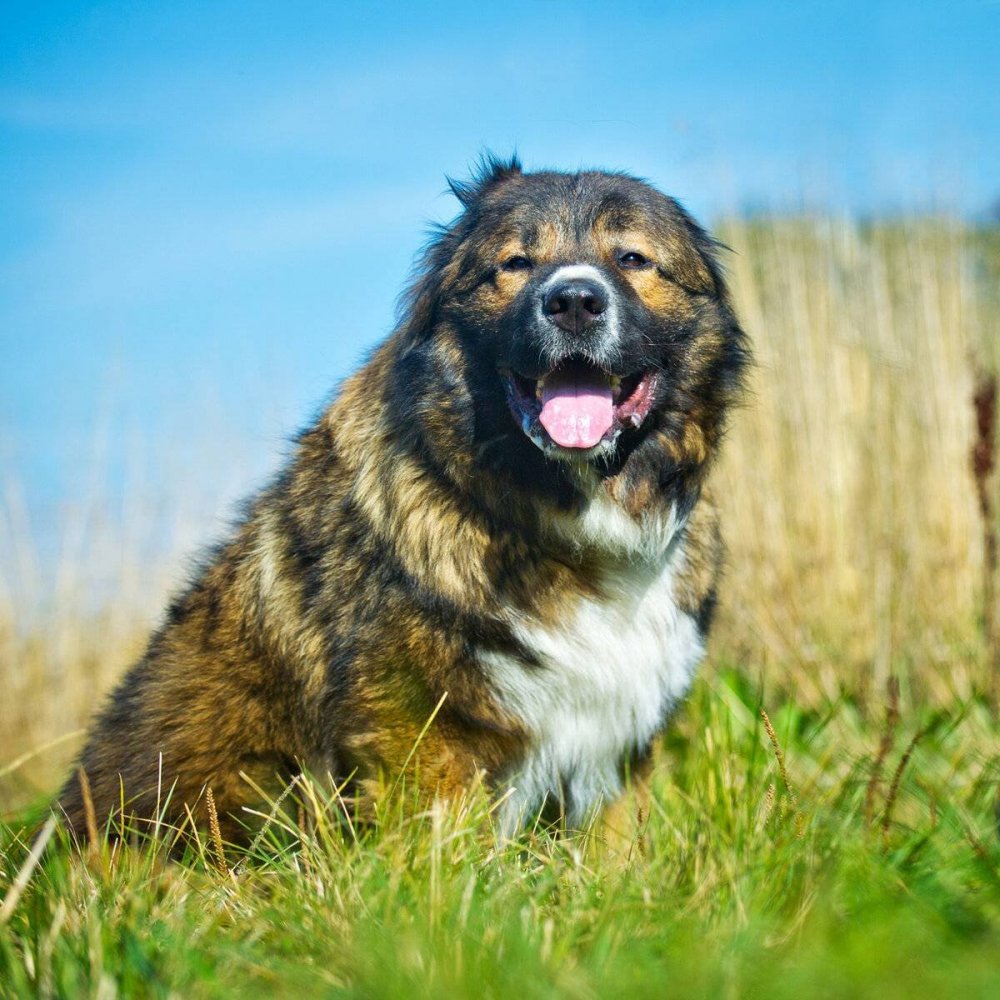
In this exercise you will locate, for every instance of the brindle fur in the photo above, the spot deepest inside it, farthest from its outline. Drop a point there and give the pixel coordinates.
(360, 586)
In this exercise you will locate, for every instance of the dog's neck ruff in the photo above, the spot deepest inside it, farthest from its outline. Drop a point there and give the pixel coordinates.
(603, 526)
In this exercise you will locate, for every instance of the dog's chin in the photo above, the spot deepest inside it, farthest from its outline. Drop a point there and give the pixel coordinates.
(602, 451)
(576, 412)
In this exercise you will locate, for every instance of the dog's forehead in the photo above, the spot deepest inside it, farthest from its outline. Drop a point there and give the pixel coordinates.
(578, 208)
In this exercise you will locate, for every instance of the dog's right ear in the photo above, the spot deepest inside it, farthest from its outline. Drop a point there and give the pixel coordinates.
(490, 171)
(416, 310)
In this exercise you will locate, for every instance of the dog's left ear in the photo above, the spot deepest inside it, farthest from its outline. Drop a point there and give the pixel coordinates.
(489, 172)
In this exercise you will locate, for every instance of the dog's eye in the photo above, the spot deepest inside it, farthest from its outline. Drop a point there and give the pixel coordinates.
(633, 260)
(516, 263)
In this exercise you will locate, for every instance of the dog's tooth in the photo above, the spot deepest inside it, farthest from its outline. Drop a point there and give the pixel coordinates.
(615, 382)
(635, 420)
(539, 384)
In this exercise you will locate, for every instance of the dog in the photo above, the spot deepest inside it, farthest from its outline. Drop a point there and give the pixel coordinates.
(493, 558)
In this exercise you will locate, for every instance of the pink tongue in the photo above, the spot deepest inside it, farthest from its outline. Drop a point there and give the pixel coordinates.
(576, 411)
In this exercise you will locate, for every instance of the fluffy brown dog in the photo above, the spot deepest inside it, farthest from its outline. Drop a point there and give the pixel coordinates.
(502, 513)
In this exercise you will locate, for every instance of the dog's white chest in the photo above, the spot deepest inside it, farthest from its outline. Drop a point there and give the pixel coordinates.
(608, 677)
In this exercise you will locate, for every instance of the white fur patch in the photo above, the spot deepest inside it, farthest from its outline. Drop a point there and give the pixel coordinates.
(570, 272)
(608, 677)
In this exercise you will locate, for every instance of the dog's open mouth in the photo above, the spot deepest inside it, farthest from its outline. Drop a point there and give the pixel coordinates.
(578, 405)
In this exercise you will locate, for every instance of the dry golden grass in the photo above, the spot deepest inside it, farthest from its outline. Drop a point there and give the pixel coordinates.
(70, 628)
(856, 543)
(851, 515)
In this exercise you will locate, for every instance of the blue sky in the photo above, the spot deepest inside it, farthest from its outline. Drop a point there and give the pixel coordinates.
(208, 209)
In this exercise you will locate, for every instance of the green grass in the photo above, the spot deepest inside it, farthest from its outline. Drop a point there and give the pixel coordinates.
(857, 877)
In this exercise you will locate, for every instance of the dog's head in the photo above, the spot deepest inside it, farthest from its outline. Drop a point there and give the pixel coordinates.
(573, 320)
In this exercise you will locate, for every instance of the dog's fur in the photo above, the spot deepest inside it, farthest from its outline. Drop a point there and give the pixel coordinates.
(429, 544)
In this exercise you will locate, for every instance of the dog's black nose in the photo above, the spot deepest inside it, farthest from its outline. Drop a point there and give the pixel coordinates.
(574, 305)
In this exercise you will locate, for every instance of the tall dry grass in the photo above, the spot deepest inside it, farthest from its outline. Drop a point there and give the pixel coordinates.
(851, 509)
(72, 621)
(851, 515)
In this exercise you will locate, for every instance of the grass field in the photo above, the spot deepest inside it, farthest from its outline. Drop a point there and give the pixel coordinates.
(852, 850)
